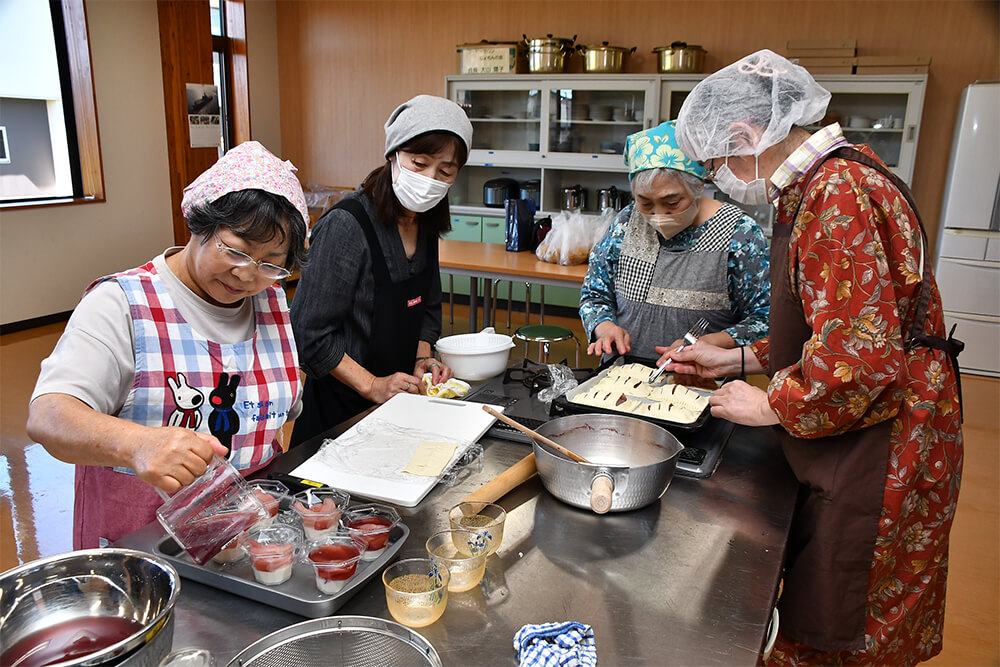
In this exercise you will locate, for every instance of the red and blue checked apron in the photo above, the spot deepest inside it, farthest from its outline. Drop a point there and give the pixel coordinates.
(183, 379)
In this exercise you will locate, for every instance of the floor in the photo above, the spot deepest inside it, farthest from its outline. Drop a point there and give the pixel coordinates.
(36, 491)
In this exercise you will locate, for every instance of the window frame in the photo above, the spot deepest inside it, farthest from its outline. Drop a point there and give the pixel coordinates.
(78, 78)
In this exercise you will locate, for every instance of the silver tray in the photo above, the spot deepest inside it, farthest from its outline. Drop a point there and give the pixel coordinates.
(347, 641)
(298, 595)
(564, 405)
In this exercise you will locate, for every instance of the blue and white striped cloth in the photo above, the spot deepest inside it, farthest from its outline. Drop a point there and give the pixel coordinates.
(568, 644)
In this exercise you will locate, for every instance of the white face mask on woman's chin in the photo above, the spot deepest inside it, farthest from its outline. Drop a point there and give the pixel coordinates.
(753, 193)
(669, 226)
(416, 192)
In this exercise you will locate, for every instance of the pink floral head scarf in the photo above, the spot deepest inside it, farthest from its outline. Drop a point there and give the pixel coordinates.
(247, 166)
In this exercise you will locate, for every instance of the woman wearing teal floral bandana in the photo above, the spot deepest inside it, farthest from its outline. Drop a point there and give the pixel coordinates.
(671, 257)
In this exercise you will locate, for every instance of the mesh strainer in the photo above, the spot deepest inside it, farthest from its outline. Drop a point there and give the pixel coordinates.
(351, 641)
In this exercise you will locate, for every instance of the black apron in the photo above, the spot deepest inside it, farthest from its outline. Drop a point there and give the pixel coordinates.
(397, 318)
(832, 541)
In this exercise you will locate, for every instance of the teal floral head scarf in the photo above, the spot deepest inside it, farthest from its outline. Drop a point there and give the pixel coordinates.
(657, 148)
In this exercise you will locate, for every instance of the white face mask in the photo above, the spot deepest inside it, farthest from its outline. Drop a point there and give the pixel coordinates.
(416, 192)
(753, 193)
(670, 226)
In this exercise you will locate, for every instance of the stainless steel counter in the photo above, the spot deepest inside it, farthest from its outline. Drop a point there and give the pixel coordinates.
(688, 580)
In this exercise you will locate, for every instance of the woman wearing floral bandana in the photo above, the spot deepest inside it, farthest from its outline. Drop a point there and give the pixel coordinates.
(672, 257)
(188, 356)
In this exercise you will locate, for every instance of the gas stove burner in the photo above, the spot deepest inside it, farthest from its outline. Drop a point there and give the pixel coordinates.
(532, 375)
(535, 376)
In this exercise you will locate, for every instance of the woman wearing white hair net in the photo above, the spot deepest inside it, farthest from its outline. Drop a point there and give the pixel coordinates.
(864, 385)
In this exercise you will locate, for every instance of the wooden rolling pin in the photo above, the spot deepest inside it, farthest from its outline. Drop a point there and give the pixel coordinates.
(502, 484)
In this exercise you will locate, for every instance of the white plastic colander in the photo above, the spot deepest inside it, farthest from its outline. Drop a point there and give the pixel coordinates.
(476, 356)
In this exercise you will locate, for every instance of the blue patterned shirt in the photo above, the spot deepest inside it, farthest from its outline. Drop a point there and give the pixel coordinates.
(747, 277)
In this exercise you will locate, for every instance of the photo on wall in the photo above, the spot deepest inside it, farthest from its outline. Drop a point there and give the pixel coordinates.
(204, 115)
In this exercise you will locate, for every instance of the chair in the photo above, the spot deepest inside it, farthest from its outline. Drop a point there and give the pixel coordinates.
(544, 335)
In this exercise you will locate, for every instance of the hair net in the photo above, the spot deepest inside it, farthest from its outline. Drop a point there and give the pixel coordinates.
(762, 90)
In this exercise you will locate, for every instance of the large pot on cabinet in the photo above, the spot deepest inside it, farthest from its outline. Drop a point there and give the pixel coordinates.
(548, 54)
(680, 58)
(603, 59)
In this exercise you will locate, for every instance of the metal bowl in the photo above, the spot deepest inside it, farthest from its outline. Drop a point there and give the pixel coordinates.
(348, 641)
(639, 459)
(80, 586)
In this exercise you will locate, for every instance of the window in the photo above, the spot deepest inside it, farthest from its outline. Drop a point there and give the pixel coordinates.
(47, 105)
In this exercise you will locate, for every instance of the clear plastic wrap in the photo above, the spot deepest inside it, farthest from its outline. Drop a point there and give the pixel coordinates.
(562, 381)
(373, 449)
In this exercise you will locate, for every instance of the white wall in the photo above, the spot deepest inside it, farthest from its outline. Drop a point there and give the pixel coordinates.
(49, 255)
(262, 71)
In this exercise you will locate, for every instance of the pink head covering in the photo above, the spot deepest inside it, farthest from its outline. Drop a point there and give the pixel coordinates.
(247, 166)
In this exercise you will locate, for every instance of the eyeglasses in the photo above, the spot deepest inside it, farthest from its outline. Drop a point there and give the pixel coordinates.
(710, 168)
(237, 258)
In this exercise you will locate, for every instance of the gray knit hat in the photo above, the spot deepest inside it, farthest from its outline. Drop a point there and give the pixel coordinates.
(422, 114)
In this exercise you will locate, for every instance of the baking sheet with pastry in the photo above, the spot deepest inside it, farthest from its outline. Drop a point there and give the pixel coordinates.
(641, 399)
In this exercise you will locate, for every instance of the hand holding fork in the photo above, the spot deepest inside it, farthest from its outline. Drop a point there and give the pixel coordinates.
(696, 331)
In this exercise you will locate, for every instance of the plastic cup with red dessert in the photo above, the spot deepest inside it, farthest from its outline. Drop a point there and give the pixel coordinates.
(372, 523)
(270, 492)
(320, 510)
(272, 552)
(335, 560)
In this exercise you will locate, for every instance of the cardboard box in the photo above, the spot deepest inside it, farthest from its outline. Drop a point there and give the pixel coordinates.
(827, 65)
(822, 48)
(819, 69)
(894, 61)
(488, 58)
(806, 44)
(874, 69)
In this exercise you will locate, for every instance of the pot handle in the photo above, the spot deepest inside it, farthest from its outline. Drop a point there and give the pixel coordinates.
(602, 487)
(678, 45)
(632, 50)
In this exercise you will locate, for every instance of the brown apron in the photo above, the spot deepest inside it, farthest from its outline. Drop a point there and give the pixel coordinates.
(832, 541)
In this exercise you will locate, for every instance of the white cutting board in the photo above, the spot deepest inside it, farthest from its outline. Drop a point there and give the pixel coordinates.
(456, 421)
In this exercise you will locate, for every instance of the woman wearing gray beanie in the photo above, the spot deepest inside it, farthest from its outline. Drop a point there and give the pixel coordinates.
(368, 307)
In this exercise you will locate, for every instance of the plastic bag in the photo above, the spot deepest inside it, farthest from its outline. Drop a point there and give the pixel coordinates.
(573, 236)
(562, 381)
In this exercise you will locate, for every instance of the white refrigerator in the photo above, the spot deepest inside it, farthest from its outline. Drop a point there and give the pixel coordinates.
(968, 261)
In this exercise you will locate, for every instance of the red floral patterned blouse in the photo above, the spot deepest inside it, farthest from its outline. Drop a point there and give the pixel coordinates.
(855, 257)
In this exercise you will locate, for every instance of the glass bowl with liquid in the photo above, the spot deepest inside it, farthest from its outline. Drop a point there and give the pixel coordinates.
(416, 591)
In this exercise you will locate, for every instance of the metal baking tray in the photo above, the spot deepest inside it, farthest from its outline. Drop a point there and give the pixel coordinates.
(564, 405)
(298, 595)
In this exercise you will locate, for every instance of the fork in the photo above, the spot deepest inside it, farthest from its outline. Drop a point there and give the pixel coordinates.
(696, 331)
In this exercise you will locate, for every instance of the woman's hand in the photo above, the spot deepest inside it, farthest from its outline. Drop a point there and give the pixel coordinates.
(702, 359)
(439, 372)
(742, 403)
(384, 388)
(170, 457)
(607, 337)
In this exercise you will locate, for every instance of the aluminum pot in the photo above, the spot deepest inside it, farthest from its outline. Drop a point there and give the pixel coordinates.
(680, 58)
(548, 54)
(497, 191)
(574, 198)
(132, 593)
(636, 457)
(604, 59)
